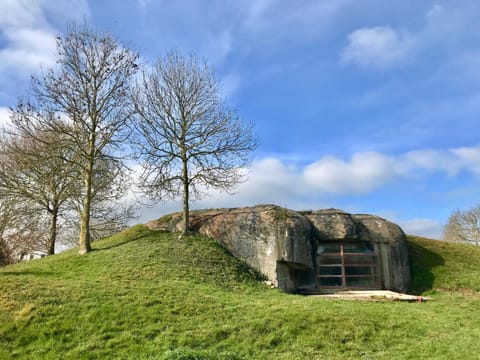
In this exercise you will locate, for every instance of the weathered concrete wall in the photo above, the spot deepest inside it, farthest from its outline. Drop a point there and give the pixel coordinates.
(281, 243)
(265, 237)
(333, 224)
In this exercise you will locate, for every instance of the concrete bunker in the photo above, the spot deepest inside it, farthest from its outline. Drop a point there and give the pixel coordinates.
(308, 252)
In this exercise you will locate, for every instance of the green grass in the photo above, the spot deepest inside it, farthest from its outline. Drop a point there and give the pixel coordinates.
(146, 295)
(444, 266)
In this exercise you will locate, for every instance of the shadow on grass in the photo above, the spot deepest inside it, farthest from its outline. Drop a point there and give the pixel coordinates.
(422, 262)
(27, 272)
(242, 268)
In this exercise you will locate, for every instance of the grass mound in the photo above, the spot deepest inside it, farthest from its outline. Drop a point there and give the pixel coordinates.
(443, 266)
(146, 295)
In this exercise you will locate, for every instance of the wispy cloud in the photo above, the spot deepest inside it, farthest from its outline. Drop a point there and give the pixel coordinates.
(445, 29)
(366, 172)
(468, 158)
(310, 17)
(28, 50)
(380, 47)
(363, 173)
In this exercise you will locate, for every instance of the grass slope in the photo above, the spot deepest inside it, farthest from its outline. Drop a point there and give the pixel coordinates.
(146, 295)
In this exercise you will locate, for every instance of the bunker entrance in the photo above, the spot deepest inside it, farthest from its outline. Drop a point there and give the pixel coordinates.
(347, 265)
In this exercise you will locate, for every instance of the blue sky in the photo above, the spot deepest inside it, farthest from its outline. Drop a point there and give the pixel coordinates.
(367, 106)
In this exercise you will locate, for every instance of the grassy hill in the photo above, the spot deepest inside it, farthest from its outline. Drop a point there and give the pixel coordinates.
(145, 295)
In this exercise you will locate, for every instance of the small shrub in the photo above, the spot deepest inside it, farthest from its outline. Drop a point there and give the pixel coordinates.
(281, 215)
(165, 219)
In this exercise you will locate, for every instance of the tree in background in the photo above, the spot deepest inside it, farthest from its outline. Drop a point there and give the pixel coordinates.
(21, 230)
(38, 168)
(36, 171)
(188, 140)
(8, 221)
(90, 89)
(464, 226)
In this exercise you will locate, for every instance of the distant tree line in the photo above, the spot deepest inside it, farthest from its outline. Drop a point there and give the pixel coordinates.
(63, 158)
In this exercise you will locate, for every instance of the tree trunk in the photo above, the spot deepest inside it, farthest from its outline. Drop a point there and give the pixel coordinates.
(3, 253)
(186, 211)
(85, 245)
(53, 230)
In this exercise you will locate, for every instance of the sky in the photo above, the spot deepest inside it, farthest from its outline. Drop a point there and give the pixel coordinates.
(368, 106)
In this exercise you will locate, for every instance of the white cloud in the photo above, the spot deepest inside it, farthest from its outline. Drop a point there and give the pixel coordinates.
(272, 180)
(28, 50)
(450, 161)
(364, 173)
(28, 34)
(468, 157)
(275, 181)
(269, 181)
(19, 13)
(380, 47)
(429, 160)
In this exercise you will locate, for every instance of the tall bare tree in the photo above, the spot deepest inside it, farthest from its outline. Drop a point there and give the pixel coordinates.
(89, 88)
(464, 226)
(188, 139)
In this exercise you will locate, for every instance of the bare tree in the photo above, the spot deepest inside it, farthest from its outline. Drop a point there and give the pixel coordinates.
(188, 139)
(43, 171)
(90, 89)
(464, 226)
(21, 230)
(452, 229)
(37, 170)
